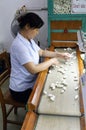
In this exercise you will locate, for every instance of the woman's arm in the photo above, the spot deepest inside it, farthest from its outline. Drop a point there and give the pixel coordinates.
(46, 53)
(32, 68)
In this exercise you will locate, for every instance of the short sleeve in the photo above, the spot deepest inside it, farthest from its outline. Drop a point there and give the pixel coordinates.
(21, 53)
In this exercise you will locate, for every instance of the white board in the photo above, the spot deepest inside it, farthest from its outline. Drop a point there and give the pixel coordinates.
(78, 6)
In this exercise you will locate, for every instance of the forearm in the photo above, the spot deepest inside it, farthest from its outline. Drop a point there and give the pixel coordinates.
(51, 54)
(47, 53)
(43, 66)
(32, 68)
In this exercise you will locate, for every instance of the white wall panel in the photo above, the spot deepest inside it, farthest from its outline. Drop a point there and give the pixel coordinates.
(7, 11)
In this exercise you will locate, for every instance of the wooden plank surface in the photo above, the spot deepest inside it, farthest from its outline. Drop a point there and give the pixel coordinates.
(62, 36)
(66, 24)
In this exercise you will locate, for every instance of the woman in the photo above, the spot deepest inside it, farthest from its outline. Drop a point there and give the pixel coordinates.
(25, 55)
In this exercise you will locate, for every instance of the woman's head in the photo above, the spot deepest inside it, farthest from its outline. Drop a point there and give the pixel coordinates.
(29, 25)
(30, 19)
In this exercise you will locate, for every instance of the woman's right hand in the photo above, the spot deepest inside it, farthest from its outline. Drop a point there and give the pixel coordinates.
(55, 61)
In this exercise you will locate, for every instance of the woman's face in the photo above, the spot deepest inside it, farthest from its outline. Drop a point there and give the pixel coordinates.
(31, 32)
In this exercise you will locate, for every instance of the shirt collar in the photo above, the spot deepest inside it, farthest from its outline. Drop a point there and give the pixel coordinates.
(24, 40)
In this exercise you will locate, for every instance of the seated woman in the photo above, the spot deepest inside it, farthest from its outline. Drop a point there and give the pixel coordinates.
(25, 55)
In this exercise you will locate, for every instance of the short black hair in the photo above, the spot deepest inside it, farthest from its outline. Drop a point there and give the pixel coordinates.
(31, 19)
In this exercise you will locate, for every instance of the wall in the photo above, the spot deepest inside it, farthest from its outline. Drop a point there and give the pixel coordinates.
(7, 11)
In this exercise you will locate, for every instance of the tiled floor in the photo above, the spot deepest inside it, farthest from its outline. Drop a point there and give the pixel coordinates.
(20, 116)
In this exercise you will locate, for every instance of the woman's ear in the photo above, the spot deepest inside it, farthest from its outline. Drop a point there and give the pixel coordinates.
(27, 27)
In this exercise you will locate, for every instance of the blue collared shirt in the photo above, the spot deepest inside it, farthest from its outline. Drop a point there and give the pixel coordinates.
(22, 52)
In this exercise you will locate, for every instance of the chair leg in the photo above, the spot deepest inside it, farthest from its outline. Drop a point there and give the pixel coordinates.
(4, 122)
(5, 125)
(15, 110)
(4, 117)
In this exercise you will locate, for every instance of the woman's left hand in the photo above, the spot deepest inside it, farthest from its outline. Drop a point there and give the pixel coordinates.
(66, 55)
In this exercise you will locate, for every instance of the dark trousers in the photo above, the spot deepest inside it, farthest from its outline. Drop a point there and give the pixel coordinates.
(21, 96)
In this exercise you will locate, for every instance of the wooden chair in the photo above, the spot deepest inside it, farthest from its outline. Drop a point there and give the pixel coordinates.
(6, 98)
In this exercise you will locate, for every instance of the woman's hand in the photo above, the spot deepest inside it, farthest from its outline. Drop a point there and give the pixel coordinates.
(66, 55)
(54, 61)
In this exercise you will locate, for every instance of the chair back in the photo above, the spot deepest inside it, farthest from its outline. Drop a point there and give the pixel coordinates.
(4, 74)
(4, 67)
